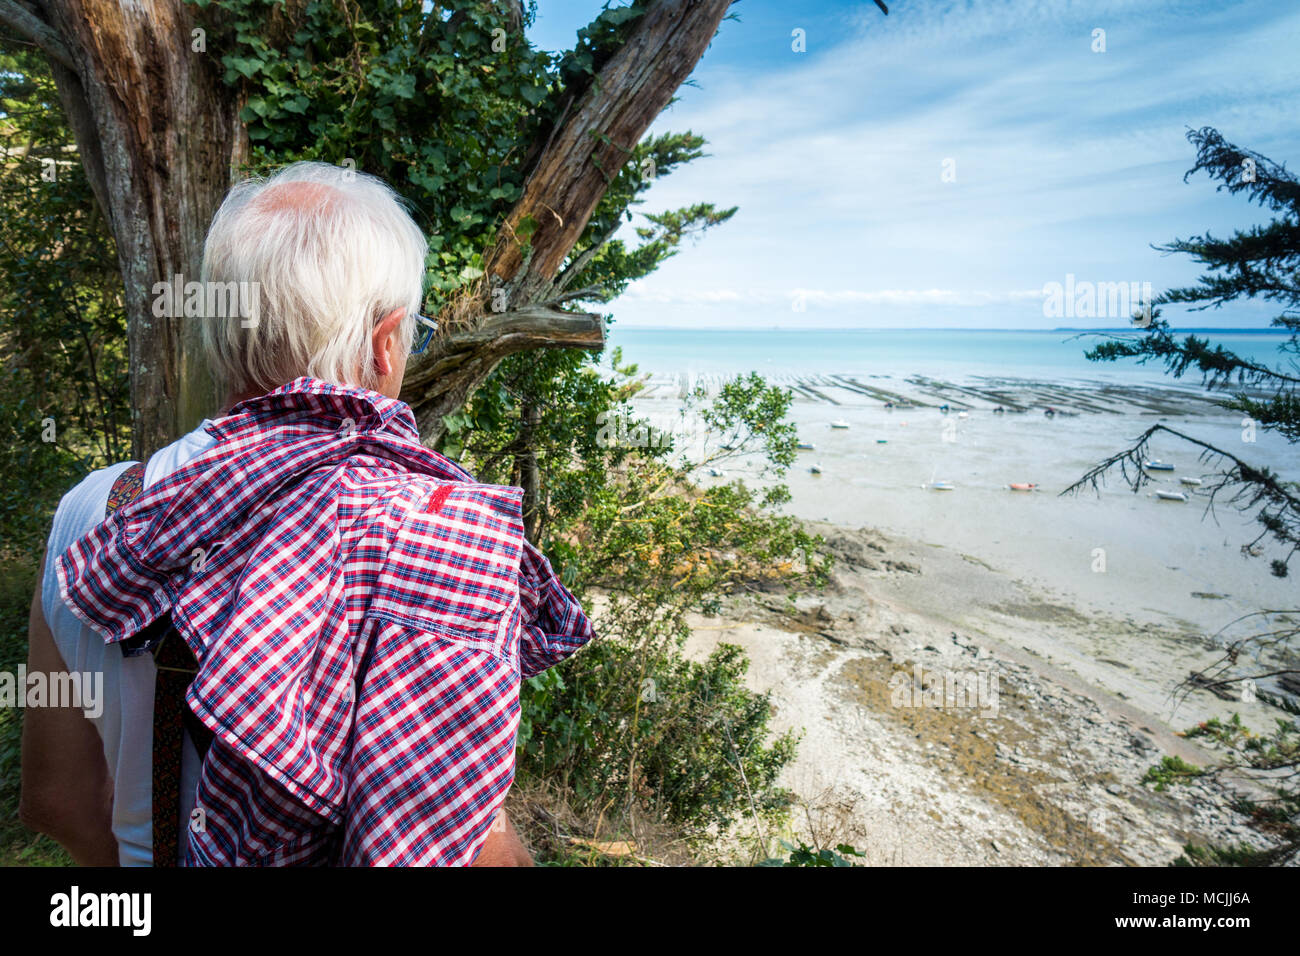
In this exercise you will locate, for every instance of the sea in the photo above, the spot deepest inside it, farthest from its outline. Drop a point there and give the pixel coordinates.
(953, 354)
(875, 464)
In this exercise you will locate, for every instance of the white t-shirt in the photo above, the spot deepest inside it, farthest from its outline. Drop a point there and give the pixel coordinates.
(126, 724)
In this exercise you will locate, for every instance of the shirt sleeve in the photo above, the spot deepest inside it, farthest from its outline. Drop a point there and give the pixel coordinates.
(554, 625)
(433, 753)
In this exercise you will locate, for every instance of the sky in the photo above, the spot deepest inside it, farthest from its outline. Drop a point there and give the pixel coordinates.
(941, 166)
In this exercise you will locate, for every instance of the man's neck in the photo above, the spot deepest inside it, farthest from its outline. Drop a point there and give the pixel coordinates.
(231, 402)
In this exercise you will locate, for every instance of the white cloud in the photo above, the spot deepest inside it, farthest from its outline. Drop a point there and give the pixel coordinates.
(1065, 160)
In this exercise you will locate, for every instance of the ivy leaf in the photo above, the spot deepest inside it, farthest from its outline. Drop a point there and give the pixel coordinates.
(246, 66)
(402, 85)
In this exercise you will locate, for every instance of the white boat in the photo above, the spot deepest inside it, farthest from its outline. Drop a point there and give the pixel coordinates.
(1191, 482)
(839, 423)
(805, 446)
(815, 469)
(716, 473)
(941, 486)
(1171, 496)
(1158, 465)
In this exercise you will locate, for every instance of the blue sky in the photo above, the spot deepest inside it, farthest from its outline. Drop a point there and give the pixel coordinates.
(1063, 160)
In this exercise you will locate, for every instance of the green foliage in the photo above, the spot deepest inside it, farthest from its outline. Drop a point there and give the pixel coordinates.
(631, 721)
(442, 102)
(638, 724)
(1259, 262)
(598, 41)
(804, 855)
(1271, 759)
(1171, 770)
(1241, 855)
(63, 386)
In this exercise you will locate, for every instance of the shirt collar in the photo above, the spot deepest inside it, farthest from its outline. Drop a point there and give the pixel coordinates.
(310, 400)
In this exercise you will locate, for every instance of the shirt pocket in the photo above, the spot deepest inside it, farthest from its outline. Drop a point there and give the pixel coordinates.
(453, 565)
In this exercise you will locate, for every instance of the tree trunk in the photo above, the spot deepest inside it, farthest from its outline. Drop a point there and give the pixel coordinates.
(527, 475)
(158, 133)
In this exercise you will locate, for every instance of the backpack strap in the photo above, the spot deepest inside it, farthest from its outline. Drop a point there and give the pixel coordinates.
(176, 667)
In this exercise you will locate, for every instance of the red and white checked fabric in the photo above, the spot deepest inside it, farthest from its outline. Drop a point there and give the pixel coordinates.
(362, 612)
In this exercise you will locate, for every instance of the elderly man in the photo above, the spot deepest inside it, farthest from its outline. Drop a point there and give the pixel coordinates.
(312, 629)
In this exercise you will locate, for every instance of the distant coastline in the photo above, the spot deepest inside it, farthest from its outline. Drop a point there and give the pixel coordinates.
(749, 330)
(953, 355)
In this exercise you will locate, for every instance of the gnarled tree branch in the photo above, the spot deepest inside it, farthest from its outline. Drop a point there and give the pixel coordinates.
(32, 28)
(564, 185)
(466, 357)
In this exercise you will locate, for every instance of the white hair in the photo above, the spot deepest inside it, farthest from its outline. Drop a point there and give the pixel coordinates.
(330, 258)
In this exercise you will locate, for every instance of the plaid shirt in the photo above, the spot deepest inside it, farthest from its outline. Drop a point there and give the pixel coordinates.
(362, 612)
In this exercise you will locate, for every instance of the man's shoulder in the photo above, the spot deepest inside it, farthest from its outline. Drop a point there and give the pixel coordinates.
(82, 507)
(454, 557)
(80, 510)
(172, 457)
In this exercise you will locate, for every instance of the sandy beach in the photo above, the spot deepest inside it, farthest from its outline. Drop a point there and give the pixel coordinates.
(1006, 591)
(1047, 772)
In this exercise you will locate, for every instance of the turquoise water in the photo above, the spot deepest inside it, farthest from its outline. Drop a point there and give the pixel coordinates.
(954, 354)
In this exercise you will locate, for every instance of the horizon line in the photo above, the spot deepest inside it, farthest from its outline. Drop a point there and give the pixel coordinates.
(939, 328)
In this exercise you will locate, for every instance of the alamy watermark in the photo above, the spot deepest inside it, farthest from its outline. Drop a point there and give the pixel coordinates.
(76, 908)
(175, 298)
(945, 689)
(619, 429)
(84, 689)
(1098, 300)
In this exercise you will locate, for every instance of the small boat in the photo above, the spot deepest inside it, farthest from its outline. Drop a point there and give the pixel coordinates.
(716, 473)
(1158, 465)
(941, 486)
(1192, 482)
(999, 410)
(1022, 486)
(805, 446)
(962, 415)
(839, 423)
(815, 469)
(944, 408)
(882, 441)
(1171, 496)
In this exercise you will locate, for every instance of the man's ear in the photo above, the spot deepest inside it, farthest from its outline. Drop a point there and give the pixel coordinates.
(384, 342)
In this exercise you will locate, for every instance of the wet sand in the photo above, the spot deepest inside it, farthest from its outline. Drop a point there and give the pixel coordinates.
(1045, 773)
